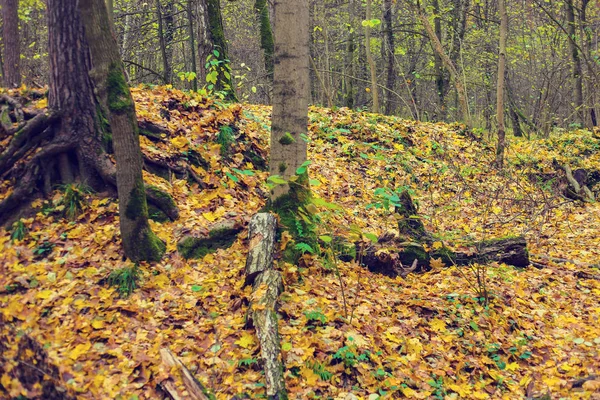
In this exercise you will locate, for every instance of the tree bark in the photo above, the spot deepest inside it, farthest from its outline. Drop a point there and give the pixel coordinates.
(262, 312)
(205, 45)
(371, 61)
(500, 86)
(192, 41)
(388, 18)
(12, 48)
(290, 92)
(576, 65)
(349, 57)
(139, 242)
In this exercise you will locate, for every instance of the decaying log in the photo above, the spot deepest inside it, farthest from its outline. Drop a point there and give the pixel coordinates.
(217, 236)
(267, 286)
(261, 232)
(413, 248)
(194, 390)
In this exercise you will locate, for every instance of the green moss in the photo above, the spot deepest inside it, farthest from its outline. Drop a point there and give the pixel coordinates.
(293, 216)
(193, 247)
(136, 206)
(266, 33)
(282, 167)
(119, 98)
(156, 214)
(412, 251)
(150, 247)
(287, 139)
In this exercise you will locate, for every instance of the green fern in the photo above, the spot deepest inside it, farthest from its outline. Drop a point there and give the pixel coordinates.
(126, 279)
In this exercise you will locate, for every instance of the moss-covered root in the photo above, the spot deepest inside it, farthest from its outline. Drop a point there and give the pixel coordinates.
(163, 201)
(221, 236)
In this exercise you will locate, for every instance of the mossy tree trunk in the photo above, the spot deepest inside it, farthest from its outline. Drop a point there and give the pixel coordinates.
(266, 33)
(139, 242)
(12, 49)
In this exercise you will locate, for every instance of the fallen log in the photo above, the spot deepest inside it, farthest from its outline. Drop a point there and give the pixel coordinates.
(413, 248)
(153, 131)
(267, 285)
(194, 390)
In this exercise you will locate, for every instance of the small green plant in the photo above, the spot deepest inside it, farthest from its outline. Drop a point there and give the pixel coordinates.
(437, 383)
(43, 249)
(73, 200)
(315, 317)
(125, 279)
(18, 231)
(225, 138)
(320, 370)
(350, 357)
(246, 363)
(214, 68)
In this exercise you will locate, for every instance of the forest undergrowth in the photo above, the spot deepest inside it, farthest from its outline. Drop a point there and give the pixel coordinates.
(428, 335)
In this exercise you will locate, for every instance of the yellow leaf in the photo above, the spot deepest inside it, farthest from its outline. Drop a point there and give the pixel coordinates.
(98, 324)
(209, 216)
(180, 142)
(44, 294)
(513, 366)
(592, 386)
(79, 350)
(437, 245)
(436, 263)
(480, 395)
(246, 341)
(437, 325)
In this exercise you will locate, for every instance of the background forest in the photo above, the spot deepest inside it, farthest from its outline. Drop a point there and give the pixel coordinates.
(552, 53)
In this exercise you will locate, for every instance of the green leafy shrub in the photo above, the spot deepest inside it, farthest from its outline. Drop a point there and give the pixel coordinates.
(125, 279)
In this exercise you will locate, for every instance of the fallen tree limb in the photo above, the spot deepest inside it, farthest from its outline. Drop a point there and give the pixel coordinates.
(217, 236)
(194, 390)
(267, 285)
(152, 131)
(415, 247)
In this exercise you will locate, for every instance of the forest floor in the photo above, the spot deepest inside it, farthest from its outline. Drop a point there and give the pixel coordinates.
(424, 336)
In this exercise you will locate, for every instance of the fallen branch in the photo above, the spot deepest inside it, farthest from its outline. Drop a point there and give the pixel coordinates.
(415, 247)
(194, 390)
(267, 286)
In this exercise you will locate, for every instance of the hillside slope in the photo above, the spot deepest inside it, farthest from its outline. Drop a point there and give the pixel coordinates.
(425, 336)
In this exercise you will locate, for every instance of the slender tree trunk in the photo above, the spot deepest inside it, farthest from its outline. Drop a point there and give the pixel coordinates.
(440, 79)
(205, 45)
(190, 21)
(587, 44)
(163, 46)
(217, 35)
(290, 92)
(388, 18)
(500, 86)
(12, 48)
(266, 33)
(371, 61)
(349, 58)
(576, 66)
(139, 241)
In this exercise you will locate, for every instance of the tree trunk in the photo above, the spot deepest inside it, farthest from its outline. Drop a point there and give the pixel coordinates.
(441, 81)
(12, 48)
(290, 93)
(217, 37)
(266, 33)
(205, 45)
(165, 37)
(139, 242)
(370, 61)
(388, 18)
(500, 87)
(349, 58)
(190, 16)
(576, 65)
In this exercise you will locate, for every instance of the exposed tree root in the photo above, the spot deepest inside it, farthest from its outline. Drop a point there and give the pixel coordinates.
(41, 154)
